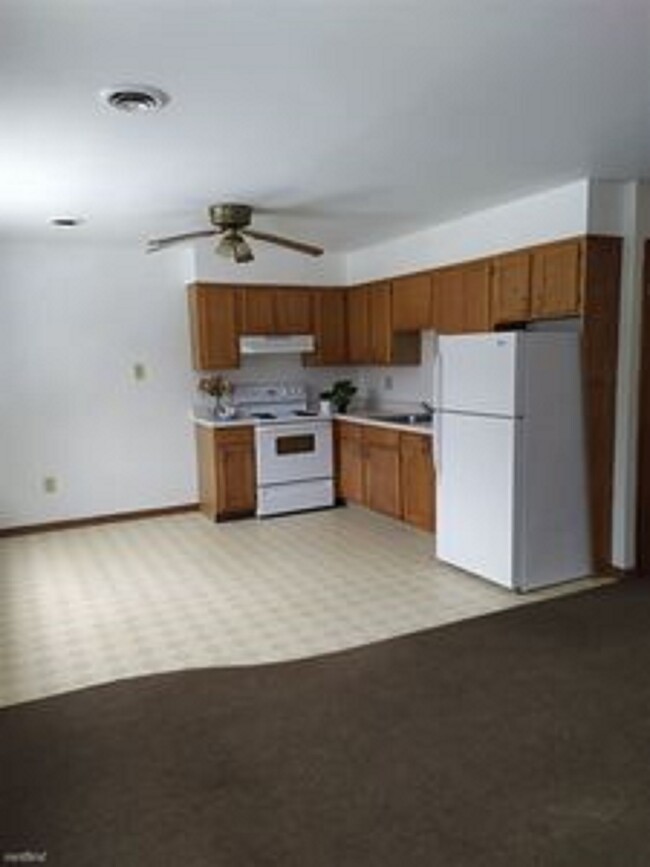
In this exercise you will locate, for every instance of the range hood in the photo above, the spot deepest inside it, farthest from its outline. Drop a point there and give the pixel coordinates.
(256, 344)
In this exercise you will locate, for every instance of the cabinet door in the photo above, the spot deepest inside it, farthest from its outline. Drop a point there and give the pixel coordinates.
(511, 288)
(349, 461)
(448, 301)
(358, 305)
(380, 323)
(213, 330)
(293, 313)
(206, 455)
(382, 471)
(476, 297)
(461, 299)
(226, 471)
(417, 480)
(235, 467)
(330, 326)
(411, 302)
(556, 280)
(257, 310)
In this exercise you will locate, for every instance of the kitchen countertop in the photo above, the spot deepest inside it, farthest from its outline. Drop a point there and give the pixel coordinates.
(204, 418)
(369, 417)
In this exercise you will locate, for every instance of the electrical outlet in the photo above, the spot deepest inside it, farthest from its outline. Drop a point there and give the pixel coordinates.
(50, 484)
(388, 383)
(139, 371)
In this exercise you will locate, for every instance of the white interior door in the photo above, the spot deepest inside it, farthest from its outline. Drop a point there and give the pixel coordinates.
(477, 480)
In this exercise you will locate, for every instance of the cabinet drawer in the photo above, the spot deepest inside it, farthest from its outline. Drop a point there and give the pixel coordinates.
(238, 435)
(377, 436)
(349, 430)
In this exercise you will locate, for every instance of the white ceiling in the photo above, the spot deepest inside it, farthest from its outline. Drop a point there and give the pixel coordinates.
(357, 120)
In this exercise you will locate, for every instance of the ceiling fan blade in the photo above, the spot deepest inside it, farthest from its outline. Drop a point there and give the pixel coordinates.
(156, 244)
(298, 246)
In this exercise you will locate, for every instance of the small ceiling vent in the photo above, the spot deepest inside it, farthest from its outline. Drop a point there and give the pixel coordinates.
(135, 98)
(66, 222)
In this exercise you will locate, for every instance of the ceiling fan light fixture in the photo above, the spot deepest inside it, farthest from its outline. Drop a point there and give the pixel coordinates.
(242, 252)
(232, 246)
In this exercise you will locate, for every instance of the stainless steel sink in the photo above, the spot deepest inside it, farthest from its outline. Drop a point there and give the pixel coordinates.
(419, 418)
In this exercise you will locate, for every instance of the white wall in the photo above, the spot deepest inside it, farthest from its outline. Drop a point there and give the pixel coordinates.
(548, 216)
(73, 321)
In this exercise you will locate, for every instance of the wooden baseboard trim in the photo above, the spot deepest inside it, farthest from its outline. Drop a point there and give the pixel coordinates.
(72, 523)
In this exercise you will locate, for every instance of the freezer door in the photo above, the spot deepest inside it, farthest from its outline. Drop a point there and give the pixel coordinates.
(480, 373)
(478, 492)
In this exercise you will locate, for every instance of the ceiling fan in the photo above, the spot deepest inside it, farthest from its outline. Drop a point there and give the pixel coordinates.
(231, 223)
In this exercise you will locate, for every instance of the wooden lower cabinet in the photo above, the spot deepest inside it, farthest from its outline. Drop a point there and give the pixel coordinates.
(417, 480)
(226, 465)
(382, 471)
(386, 470)
(348, 461)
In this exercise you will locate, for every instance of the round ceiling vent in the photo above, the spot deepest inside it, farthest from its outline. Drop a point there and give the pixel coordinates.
(134, 98)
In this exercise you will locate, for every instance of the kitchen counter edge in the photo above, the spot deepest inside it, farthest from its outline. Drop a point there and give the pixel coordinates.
(359, 417)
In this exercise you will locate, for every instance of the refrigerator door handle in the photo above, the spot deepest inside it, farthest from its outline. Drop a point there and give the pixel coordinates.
(437, 420)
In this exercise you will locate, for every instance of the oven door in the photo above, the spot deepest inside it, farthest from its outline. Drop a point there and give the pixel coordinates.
(293, 452)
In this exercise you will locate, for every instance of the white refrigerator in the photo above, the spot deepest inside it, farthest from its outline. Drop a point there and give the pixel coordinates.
(511, 483)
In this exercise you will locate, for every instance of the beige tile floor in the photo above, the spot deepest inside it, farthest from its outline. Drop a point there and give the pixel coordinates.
(87, 606)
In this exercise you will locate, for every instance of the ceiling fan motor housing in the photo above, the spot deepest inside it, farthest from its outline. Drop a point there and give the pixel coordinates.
(230, 216)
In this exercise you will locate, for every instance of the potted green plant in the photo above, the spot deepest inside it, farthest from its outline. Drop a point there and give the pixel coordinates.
(340, 394)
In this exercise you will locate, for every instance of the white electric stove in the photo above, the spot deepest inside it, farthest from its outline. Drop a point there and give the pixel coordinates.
(293, 448)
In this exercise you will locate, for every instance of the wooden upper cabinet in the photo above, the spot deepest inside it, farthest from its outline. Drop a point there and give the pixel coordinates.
(293, 311)
(417, 480)
(556, 280)
(511, 287)
(358, 304)
(371, 339)
(461, 298)
(330, 327)
(380, 323)
(213, 326)
(257, 310)
(270, 310)
(411, 302)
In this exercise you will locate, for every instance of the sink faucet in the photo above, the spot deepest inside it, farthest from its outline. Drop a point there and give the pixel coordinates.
(427, 406)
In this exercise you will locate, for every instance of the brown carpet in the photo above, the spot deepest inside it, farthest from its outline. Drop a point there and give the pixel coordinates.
(521, 738)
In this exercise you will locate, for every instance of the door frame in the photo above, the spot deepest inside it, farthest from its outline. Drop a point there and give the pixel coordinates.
(643, 465)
